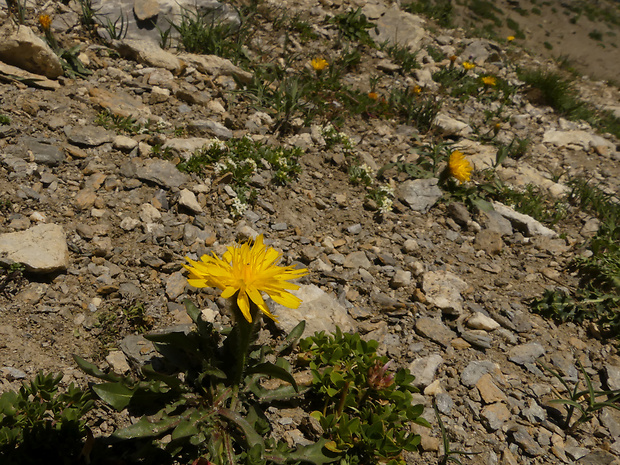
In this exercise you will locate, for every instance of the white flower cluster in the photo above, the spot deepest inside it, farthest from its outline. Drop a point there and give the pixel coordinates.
(238, 207)
(331, 135)
(224, 165)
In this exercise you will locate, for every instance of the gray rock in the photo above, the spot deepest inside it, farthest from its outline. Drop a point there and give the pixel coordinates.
(210, 127)
(424, 369)
(534, 413)
(444, 403)
(474, 371)
(495, 415)
(610, 419)
(490, 241)
(187, 199)
(399, 27)
(613, 377)
(598, 457)
(493, 221)
(21, 47)
(443, 289)
(525, 441)
(526, 353)
(175, 285)
(42, 152)
(215, 66)
(420, 194)
(481, 321)
(42, 248)
(145, 9)
(587, 140)
(321, 311)
(88, 136)
(450, 126)
(459, 213)
(357, 260)
(161, 172)
(479, 50)
(434, 330)
(118, 362)
(400, 279)
(524, 223)
(120, 103)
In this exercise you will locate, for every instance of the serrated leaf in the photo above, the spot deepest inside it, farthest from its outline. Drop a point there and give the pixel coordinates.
(274, 371)
(115, 394)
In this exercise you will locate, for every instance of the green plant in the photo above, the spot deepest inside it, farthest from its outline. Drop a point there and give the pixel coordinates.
(353, 25)
(122, 124)
(4, 120)
(439, 10)
(201, 33)
(88, 16)
(596, 35)
(485, 10)
(42, 420)
(414, 107)
(116, 29)
(402, 56)
(515, 150)
(436, 54)
(363, 408)
(242, 159)
(547, 45)
(584, 400)
(11, 277)
(449, 455)
(17, 9)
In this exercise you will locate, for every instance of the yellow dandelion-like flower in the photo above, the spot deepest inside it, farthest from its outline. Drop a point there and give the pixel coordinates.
(489, 81)
(319, 64)
(247, 270)
(468, 65)
(510, 38)
(459, 166)
(45, 21)
(373, 95)
(417, 89)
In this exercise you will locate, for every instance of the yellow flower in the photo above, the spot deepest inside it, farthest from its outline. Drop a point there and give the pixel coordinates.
(459, 166)
(510, 38)
(373, 95)
(45, 21)
(319, 64)
(417, 89)
(468, 65)
(489, 81)
(247, 270)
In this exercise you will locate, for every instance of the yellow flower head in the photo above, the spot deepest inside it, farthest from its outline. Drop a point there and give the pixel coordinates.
(417, 89)
(459, 166)
(247, 270)
(510, 38)
(489, 81)
(453, 58)
(468, 65)
(319, 64)
(45, 21)
(373, 95)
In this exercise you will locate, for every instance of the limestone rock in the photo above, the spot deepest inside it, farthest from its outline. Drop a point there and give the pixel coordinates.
(42, 248)
(24, 49)
(420, 194)
(321, 311)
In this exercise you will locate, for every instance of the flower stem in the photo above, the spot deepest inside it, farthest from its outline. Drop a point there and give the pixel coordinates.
(241, 338)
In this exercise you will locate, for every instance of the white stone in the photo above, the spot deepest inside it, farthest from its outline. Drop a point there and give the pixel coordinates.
(188, 200)
(148, 213)
(481, 321)
(42, 248)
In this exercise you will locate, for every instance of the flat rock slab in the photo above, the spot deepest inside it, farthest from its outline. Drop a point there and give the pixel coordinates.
(161, 172)
(321, 311)
(524, 223)
(443, 289)
(420, 194)
(42, 249)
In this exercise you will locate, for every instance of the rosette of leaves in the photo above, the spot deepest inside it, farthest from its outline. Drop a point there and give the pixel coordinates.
(189, 406)
(365, 411)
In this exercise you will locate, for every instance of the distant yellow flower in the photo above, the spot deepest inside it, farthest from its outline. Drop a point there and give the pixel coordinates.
(247, 270)
(510, 38)
(489, 81)
(373, 95)
(45, 21)
(453, 58)
(417, 89)
(459, 166)
(468, 65)
(319, 64)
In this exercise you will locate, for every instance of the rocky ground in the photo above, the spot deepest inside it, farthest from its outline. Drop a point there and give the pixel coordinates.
(103, 225)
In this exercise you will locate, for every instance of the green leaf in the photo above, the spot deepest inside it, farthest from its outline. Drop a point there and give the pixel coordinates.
(274, 371)
(93, 370)
(482, 204)
(292, 337)
(148, 427)
(115, 394)
(187, 427)
(251, 436)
